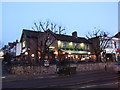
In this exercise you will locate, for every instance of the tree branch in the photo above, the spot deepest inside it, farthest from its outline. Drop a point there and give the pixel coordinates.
(41, 25)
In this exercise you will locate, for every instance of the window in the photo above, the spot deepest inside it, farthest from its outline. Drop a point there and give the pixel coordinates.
(87, 47)
(76, 45)
(24, 44)
(64, 44)
(48, 42)
(109, 44)
(82, 46)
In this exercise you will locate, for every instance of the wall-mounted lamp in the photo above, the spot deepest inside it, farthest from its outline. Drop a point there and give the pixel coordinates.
(26, 53)
(32, 55)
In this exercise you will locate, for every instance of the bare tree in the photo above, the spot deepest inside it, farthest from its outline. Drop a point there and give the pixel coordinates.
(43, 26)
(49, 31)
(49, 39)
(99, 40)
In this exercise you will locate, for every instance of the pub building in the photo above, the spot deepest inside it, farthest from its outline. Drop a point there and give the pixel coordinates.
(65, 47)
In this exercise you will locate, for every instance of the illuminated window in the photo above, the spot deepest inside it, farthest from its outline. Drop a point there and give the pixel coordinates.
(59, 44)
(71, 44)
(82, 45)
(24, 44)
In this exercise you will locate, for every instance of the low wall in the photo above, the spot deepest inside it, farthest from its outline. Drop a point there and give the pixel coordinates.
(41, 70)
(92, 66)
(33, 70)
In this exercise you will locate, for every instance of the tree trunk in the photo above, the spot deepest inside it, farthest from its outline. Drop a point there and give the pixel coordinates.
(97, 58)
(42, 58)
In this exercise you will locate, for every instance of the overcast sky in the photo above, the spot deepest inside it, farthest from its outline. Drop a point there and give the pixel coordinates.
(79, 16)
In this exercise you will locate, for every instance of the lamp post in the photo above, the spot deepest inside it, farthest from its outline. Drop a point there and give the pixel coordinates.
(1, 58)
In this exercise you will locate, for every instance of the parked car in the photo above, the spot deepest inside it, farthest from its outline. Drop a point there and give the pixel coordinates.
(116, 67)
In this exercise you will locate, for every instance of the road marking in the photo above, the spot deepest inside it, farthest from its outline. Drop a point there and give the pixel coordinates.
(71, 83)
(99, 85)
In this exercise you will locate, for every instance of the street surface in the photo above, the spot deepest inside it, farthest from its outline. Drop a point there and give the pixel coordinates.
(94, 79)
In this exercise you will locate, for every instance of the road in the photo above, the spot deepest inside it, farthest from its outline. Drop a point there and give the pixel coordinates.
(102, 79)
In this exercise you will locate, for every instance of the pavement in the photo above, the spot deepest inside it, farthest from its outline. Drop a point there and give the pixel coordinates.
(9, 77)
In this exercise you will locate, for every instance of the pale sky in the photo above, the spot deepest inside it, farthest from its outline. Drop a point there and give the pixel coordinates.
(75, 16)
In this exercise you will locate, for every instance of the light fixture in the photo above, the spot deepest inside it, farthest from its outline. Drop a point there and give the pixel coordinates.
(59, 41)
(77, 56)
(82, 45)
(56, 53)
(63, 52)
(71, 44)
(68, 55)
(26, 53)
(32, 55)
(89, 53)
(69, 52)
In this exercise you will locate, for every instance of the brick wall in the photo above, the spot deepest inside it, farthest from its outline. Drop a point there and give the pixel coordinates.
(92, 66)
(41, 70)
(33, 70)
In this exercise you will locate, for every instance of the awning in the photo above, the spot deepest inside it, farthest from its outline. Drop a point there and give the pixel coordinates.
(75, 52)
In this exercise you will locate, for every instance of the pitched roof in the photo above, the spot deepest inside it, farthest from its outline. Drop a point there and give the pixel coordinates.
(30, 33)
(68, 38)
(71, 38)
(117, 35)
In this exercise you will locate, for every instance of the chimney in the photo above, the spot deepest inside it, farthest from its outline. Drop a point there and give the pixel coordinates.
(74, 34)
(16, 41)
